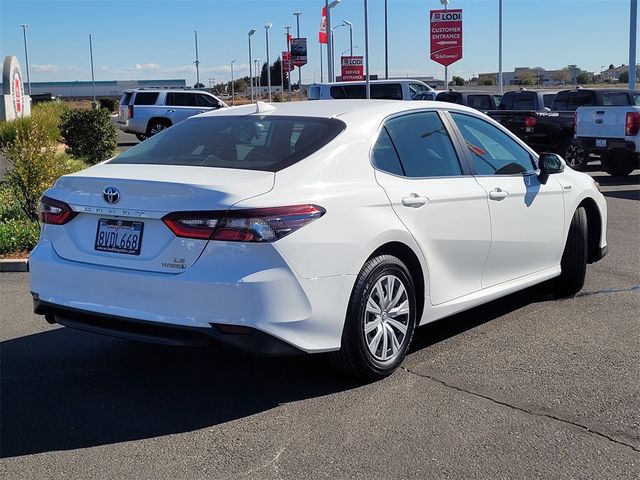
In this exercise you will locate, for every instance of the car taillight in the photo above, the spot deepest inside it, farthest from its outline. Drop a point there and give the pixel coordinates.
(530, 121)
(632, 124)
(54, 212)
(130, 111)
(254, 225)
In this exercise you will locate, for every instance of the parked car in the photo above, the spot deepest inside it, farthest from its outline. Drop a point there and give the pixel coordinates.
(477, 99)
(147, 111)
(403, 89)
(612, 133)
(552, 130)
(309, 227)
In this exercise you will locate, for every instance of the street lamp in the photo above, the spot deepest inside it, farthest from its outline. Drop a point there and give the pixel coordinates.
(256, 62)
(297, 14)
(251, 79)
(26, 54)
(287, 29)
(333, 45)
(350, 50)
(93, 79)
(386, 43)
(350, 25)
(328, 7)
(197, 62)
(366, 49)
(233, 90)
(499, 46)
(267, 27)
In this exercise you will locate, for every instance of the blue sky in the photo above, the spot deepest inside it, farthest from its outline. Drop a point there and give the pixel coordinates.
(152, 39)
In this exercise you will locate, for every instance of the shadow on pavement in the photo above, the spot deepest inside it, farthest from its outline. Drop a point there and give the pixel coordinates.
(624, 194)
(606, 180)
(65, 389)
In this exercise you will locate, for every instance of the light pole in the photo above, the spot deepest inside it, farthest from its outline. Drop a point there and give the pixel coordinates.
(233, 90)
(350, 25)
(333, 60)
(633, 14)
(328, 7)
(386, 44)
(350, 50)
(366, 49)
(258, 75)
(288, 63)
(500, 47)
(26, 54)
(93, 80)
(267, 27)
(445, 3)
(197, 62)
(297, 14)
(251, 79)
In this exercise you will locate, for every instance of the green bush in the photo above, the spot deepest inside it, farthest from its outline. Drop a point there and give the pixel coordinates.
(35, 166)
(9, 130)
(47, 114)
(108, 104)
(18, 235)
(9, 206)
(89, 134)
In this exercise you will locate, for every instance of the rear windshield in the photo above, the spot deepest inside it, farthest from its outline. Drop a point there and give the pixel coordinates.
(616, 99)
(547, 98)
(124, 100)
(268, 143)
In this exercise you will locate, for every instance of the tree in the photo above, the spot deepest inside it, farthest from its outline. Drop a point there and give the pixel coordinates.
(584, 78)
(611, 67)
(624, 77)
(457, 81)
(562, 76)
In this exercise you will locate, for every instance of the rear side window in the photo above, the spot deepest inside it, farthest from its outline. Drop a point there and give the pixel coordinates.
(145, 98)
(450, 97)
(616, 99)
(385, 157)
(341, 92)
(126, 97)
(268, 143)
(423, 145)
(479, 102)
(181, 99)
(313, 93)
(636, 98)
(386, 91)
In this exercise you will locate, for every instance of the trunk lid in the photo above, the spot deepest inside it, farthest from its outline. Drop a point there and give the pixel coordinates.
(145, 193)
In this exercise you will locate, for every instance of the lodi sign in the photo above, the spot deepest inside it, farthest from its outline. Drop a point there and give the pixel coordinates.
(352, 69)
(446, 36)
(299, 51)
(15, 103)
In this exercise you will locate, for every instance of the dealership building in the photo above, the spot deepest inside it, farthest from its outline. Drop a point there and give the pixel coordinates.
(106, 88)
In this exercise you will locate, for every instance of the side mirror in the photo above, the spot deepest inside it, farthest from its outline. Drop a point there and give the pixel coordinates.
(549, 163)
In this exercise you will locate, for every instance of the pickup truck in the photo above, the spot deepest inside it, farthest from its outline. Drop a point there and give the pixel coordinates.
(552, 129)
(477, 99)
(613, 133)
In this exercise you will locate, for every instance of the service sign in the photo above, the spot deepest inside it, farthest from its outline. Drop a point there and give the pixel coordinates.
(352, 69)
(287, 64)
(299, 51)
(446, 36)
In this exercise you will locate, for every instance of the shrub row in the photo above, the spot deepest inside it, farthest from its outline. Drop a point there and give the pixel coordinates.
(18, 235)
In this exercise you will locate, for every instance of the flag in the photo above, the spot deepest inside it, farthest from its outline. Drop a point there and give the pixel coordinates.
(322, 34)
(289, 37)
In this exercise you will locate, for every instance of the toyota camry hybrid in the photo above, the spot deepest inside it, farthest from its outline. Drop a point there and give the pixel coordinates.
(328, 226)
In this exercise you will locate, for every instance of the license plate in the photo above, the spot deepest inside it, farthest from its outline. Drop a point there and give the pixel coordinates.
(119, 236)
(601, 142)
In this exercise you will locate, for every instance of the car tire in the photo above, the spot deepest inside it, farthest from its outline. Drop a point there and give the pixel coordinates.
(575, 156)
(141, 137)
(375, 344)
(618, 163)
(156, 126)
(574, 257)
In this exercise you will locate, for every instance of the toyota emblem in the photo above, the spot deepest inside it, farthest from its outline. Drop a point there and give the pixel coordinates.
(111, 195)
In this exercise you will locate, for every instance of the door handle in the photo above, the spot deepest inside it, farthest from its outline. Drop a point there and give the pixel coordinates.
(170, 111)
(498, 194)
(414, 200)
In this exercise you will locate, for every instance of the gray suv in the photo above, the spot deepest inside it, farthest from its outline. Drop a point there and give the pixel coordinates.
(147, 111)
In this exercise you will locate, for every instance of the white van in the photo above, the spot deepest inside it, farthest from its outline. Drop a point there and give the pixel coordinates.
(403, 89)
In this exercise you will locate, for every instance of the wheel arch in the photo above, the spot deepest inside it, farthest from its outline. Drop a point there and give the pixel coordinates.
(411, 260)
(594, 228)
(164, 120)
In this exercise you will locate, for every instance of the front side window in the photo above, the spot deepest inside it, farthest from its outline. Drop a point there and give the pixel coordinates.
(493, 152)
(416, 89)
(206, 101)
(423, 145)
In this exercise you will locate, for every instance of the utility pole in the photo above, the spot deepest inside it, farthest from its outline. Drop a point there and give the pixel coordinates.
(288, 62)
(251, 79)
(267, 27)
(93, 79)
(386, 44)
(26, 55)
(366, 48)
(197, 62)
(233, 89)
(633, 14)
(297, 14)
(500, 47)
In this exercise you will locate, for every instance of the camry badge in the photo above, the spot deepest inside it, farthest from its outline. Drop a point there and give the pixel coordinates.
(111, 195)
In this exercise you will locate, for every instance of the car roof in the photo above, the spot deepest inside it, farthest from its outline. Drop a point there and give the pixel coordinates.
(349, 110)
(165, 89)
(362, 82)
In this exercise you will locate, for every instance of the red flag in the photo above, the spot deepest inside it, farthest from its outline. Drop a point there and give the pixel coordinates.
(322, 34)
(289, 37)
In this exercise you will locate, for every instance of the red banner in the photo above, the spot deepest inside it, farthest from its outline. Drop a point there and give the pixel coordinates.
(352, 69)
(322, 34)
(286, 62)
(446, 36)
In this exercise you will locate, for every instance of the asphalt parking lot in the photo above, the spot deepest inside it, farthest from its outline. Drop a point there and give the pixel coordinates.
(524, 387)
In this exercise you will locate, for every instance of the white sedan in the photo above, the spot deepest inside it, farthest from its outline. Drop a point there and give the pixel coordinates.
(328, 226)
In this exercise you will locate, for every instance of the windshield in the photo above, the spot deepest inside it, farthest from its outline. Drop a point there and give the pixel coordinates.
(268, 143)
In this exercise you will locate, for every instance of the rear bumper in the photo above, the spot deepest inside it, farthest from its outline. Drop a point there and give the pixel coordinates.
(247, 339)
(589, 145)
(245, 286)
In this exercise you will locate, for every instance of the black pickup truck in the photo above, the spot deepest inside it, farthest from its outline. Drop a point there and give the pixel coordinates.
(551, 129)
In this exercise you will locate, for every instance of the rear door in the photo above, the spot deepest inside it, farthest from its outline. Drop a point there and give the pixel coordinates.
(442, 206)
(527, 217)
(182, 105)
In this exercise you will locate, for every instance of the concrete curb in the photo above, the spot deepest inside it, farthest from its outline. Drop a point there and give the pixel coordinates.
(14, 265)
